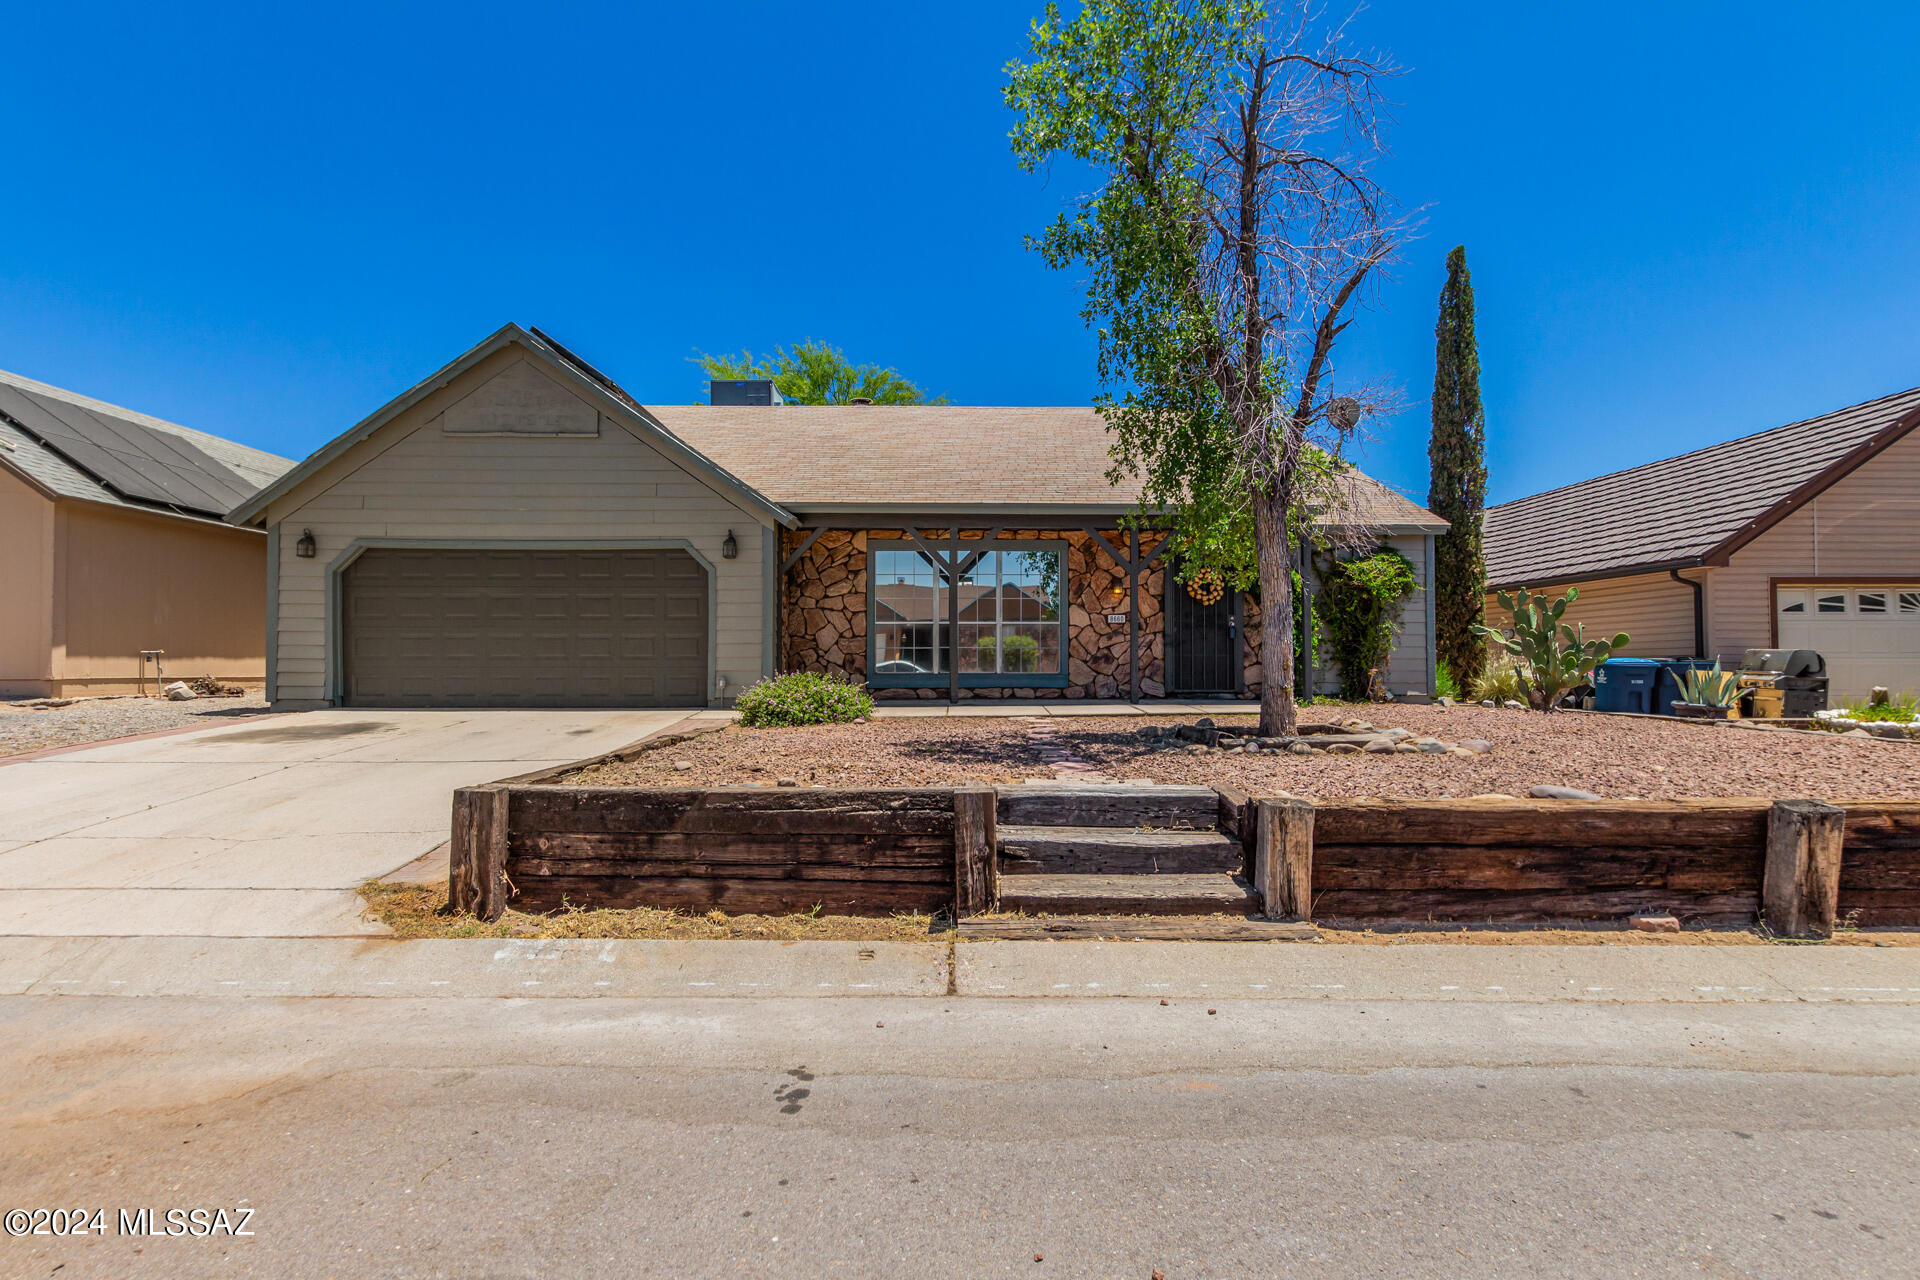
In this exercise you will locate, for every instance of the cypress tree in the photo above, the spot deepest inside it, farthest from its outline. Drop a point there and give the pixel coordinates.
(1457, 454)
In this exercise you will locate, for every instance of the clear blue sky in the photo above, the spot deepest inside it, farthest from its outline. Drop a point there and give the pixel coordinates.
(1686, 222)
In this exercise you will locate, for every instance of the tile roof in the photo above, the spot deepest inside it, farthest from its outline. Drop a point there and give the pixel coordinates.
(229, 465)
(843, 457)
(1682, 510)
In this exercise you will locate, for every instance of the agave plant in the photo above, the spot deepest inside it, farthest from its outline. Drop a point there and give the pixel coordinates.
(1716, 688)
(1549, 656)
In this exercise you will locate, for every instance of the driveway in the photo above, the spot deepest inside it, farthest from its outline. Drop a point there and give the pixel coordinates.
(262, 829)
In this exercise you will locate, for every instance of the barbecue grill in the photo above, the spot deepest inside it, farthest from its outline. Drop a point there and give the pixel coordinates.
(1800, 676)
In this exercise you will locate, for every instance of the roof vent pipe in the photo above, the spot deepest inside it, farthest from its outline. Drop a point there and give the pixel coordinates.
(861, 400)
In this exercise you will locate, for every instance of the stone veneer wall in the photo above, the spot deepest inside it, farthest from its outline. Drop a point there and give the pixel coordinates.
(823, 613)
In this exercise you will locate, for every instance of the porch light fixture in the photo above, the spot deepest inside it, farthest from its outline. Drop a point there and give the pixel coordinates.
(730, 548)
(306, 548)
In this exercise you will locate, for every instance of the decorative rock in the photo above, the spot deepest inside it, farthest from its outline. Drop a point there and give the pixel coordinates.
(1856, 733)
(1399, 735)
(786, 782)
(683, 765)
(1489, 703)
(1431, 746)
(1204, 722)
(179, 691)
(1301, 749)
(1343, 748)
(1479, 746)
(1544, 792)
(1359, 726)
(1463, 753)
(1379, 747)
(1655, 923)
(1445, 701)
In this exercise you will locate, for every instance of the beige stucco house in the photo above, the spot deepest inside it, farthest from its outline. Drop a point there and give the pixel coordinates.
(114, 543)
(1804, 536)
(516, 530)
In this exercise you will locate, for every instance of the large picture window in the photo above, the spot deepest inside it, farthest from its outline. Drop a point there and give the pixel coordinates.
(1009, 618)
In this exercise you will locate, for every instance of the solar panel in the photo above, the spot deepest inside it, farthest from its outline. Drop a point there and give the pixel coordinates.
(138, 462)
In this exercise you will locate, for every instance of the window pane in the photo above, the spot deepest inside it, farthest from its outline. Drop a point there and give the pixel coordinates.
(976, 648)
(1873, 602)
(1023, 648)
(1832, 604)
(1910, 602)
(907, 588)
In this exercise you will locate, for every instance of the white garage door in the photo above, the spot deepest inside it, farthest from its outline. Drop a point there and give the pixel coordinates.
(1870, 635)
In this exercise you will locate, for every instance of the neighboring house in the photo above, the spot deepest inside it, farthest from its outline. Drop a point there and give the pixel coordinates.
(1805, 536)
(112, 542)
(518, 531)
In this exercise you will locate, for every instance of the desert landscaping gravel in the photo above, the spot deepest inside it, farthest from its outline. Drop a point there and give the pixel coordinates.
(24, 728)
(1613, 756)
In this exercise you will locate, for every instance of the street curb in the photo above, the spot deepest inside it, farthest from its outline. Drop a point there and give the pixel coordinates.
(494, 968)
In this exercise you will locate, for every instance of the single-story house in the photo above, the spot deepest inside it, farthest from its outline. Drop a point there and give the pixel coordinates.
(1806, 536)
(115, 544)
(516, 530)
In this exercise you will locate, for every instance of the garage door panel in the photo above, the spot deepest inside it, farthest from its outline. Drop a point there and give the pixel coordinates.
(1869, 635)
(527, 628)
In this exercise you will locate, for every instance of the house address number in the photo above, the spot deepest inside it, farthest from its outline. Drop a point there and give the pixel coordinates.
(1116, 617)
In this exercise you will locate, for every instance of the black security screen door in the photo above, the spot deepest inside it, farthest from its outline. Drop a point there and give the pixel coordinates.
(1203, 642)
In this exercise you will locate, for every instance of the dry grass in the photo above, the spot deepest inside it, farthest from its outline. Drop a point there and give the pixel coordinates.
(420, 911)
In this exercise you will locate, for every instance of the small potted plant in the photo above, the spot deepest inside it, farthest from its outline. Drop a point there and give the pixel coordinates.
(1709, 695)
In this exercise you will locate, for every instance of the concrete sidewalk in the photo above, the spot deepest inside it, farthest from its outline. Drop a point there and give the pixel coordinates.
(495, 968)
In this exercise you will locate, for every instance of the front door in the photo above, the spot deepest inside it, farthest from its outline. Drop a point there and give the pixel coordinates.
(1203, 641)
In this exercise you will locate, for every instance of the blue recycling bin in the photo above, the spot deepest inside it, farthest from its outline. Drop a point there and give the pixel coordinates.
(1667, 692)
(1626, 684)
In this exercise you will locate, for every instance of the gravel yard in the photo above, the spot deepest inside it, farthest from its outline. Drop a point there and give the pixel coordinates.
(25, 728)
(1616, 757)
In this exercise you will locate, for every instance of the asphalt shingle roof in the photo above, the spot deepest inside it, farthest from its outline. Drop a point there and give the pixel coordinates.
(810, 457)
(1678, 510)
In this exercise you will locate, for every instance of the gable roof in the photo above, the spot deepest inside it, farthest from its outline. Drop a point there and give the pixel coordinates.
(596, 386)
(73, 446)
(821, 459)
(1697, 508)
(930, 459)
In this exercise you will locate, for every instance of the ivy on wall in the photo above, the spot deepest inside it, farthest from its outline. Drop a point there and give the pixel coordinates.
(1358, 609)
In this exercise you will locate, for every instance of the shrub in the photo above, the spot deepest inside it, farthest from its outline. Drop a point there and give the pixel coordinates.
(1500, 681)
(803, 697)
(1443, 685)
(1902, 708)
(1359, 606)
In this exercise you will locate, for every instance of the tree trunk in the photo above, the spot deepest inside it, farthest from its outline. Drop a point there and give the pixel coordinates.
(1272, 543)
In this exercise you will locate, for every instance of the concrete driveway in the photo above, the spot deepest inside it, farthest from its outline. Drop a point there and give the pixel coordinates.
(260, 829)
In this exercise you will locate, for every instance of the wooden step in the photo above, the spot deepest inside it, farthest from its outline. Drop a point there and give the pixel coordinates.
(1209, 928)
(1162, 895)
(1107, 805)
(1115, 851)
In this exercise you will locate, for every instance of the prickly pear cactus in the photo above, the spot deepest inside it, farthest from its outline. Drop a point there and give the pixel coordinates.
(1549, 655)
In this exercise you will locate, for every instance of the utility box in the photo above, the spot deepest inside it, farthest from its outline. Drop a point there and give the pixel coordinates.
(1626, 685)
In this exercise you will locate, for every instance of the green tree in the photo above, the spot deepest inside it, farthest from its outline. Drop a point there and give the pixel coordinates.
(1458, 490)
(1230, 229)
(817, 373)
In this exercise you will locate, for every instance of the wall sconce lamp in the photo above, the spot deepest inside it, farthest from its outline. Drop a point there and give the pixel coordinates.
(730, 548)
(306, 548)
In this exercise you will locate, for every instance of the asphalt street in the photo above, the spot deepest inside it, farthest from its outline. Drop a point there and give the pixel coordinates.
(467, 1137)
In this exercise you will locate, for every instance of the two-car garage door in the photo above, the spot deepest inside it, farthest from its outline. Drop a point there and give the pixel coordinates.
(494, 627)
